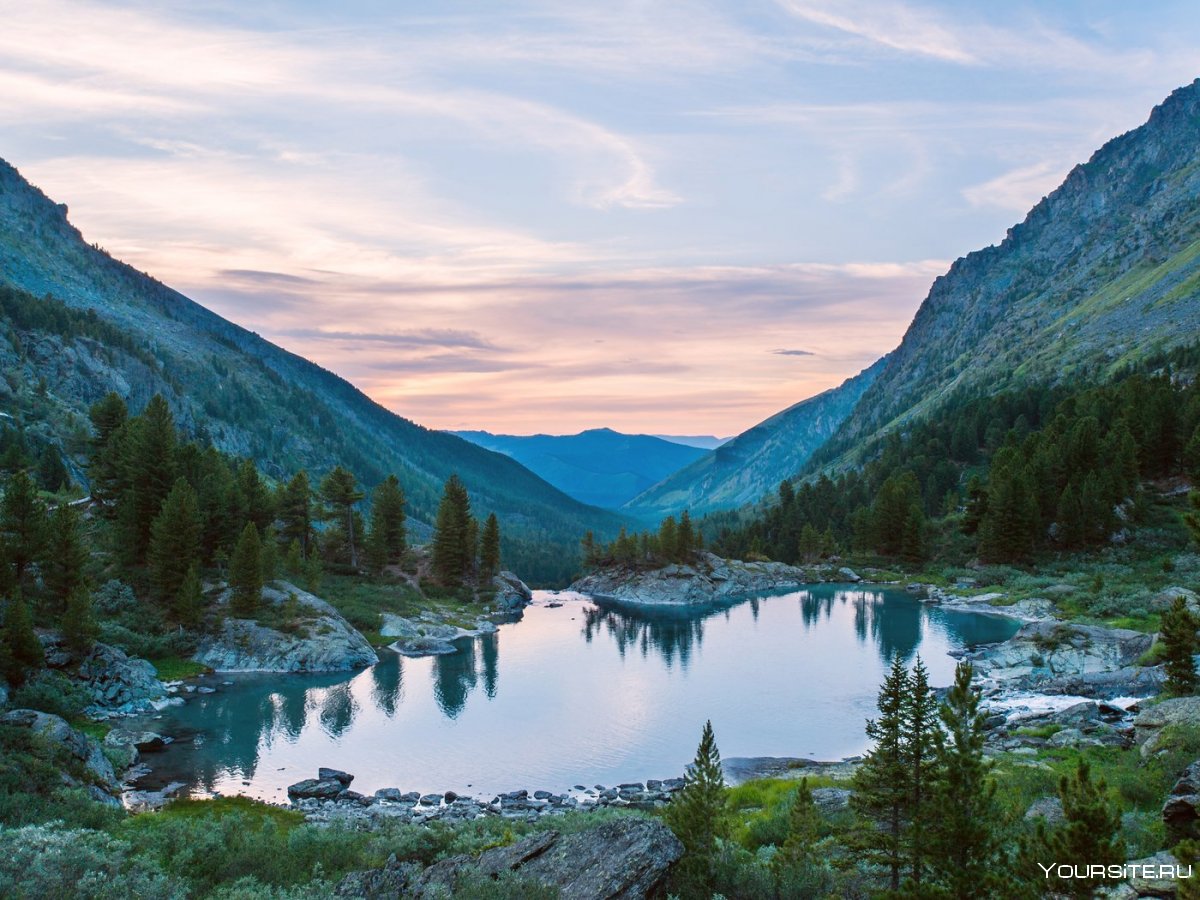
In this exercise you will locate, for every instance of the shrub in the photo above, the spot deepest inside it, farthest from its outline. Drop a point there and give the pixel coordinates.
(52, 692)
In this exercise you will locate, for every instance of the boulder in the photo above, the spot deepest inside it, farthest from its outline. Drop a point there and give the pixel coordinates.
(1048, 809)
(1041, 651)
(1155, 875)
(1149, 724)
(325, 774)
(849, 574)
(512, 594)
(1182, 807)
(626, 857)
(830, 800)
(315, 789)
(119, 684)
(55, 730)
(388, 882)
(324, 642)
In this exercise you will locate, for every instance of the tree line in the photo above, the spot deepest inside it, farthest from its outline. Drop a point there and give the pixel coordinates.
(673, 541)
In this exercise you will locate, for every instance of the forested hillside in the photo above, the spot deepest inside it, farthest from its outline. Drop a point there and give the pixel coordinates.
(78, 324)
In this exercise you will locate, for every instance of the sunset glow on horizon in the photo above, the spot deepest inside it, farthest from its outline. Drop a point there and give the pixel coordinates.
(545, 217)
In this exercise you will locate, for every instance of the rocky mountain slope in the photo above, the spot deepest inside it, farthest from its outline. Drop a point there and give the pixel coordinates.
(600, 466)
(753, 463)
(1102, 272)
(122, 330)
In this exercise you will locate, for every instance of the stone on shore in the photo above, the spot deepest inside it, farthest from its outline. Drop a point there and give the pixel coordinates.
(703, 580)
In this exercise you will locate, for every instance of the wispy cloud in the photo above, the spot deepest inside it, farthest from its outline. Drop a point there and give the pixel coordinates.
(793, 353)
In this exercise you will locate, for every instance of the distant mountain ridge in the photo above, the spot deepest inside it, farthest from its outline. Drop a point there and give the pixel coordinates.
(752, 464)
(246, 395)
(599, 466)
(1102, 272)
(703, 441)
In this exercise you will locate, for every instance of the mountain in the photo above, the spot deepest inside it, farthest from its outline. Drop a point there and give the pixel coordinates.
(1102, 273)
(752, 464)
(78, 324)
(703, 441)
(600, 466)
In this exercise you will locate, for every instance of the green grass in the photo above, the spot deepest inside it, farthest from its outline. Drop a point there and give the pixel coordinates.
(177, 668)
(254, 812)
(1039, 731)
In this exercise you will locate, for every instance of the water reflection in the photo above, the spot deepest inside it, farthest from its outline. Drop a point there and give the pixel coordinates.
(618, 704)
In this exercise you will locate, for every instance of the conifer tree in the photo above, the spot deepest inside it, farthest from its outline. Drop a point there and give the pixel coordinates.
(591, 554)
(24, 650)
(1178, 634)
(489, 549)
(252, 498)
(965, 838)
(52, 475)
(269, 556)
(339, 491)
(109, 417)
(1192, 518)
(809, 546)
(798, 870)
(313, 573)
(919, 729)
(452, 552)
(245, 574)
(685, 537)
(174, 541)
(65, 557)
(148, 466)
(295, 512)
(698, 817)
(189, 602)
(668, 537)
(1089, 835)
(79, 628)
(22, 526)
(912, 542)
(882, 789)
(294, 561)
(387, 517)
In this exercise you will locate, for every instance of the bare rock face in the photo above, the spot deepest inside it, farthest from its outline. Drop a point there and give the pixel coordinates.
(512, 594)
(119, 684)
(707, 578)
(1181, 810)
(1046, 650)
(321, 641)
(1150, 728)
(622, 859)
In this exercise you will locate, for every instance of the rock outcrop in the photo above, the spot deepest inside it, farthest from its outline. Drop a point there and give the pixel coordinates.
(1153, 725)
(707, 578)
(1182, 807)
(103, 782)
(622, 859)
(119, 684)
(512, 594)
(321, 640)
(1044, 651)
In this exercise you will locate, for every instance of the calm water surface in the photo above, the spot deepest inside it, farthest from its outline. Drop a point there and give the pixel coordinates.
(587, 692)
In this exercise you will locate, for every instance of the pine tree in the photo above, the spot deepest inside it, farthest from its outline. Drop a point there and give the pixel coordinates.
(452, 553)
(808, 547)
(109, 417)
(245, 574)
(52, 475)
(965, 841)
(668, 537)
(591, 554)
(1089, 835)
(340, 492)
(912, 543)
(685, 537)
(489, 549)
(148, 466)
(22, 526)
(252, 498)
(798, 870)
(313, 573)
(882, 790)
(294, 561)
(375, 549)
(698, 817)
(79, 628)
(65, 557)
(1178, 634)
(387, 517)
(24, 650)
(294, 505)
(174, 541)
(269, 557)
(189, 602)
(919, 729)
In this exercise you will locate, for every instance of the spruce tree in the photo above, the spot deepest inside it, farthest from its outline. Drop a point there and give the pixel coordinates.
(489, 550)
(22, 526)
(79, 628)
(965, 847)
(685, 537)
(105, 474)
(66, 555)
(340, 492)
(189, 602)
(269, 557)
(1089, 835)
(387, 517)
(174, 541)
(796, 866)
(24, 650)
(148, 465)
(245, 574)
(919, 729)
(451, 534)
(882, 789)
(294, 505)
(668, 538)
(1178, 634)
(591, 553)
(698, 817)
(52, 475)
(294, 561)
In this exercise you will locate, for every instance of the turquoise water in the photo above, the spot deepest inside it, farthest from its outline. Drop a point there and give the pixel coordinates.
(588, 692)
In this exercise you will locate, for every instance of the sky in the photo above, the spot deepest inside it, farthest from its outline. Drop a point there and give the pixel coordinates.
(663, 217)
